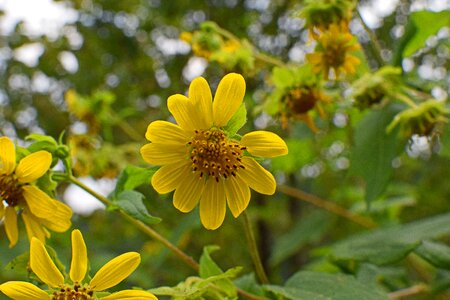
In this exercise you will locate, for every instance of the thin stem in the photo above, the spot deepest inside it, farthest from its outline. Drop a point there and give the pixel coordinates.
(413, 290)
(153, 234)
(373, 39)
(405, 99)
(129, 130)
(144, 228)
(327, 205)
(253, 248)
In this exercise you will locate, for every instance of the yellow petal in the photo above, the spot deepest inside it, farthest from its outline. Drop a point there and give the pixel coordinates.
(166, 133)
(23, 291)
(264, 144)
(188, 192)
(115, 271)
(78, 266)
(256, 176)
(40, 204)
(200, 94)
(33, 166)
(7, 155)
(43, 266)
(162, 154)
(238, 195)
(213, 204)
(11, 226)
(167, 178)
(2, 210)
(184, 112)
(60, 220)
(228, 98)
(33, 226)
(131, 295)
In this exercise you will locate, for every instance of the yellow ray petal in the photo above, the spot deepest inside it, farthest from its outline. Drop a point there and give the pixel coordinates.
(78, 266)
(43, 266)
(131, 295)
(7, 156)
(257, 177)
(115, 271)
(200, 94)
(60, 220)
(33, 166)
(167, 178)
(162, 154)
(238, 195)
(264, 144)
(188, 192)
(40, 204)
(11, 226)
(213, 204)
(166, 133)
(2, 210)
(228, 98)
(33, 227)
(184, 112)
(23, 291)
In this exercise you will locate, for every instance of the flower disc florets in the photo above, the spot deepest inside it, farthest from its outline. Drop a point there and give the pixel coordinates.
(77, 292)
(10, 190)
(213, 154)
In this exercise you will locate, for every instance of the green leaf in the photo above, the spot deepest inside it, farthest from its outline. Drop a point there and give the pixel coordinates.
(435, 253)
(299, 154)
(425, 24)
(132, 177)
(324, 286)
(20, 263)
(389, 245)
(237, 120)
(132, 203)
(374, 151)
(308, 229)
(209, 268)
(445, 141)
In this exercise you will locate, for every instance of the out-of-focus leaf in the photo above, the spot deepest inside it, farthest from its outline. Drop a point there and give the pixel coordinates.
(308, 229)
(299, 154)
(437, 254)
(426, 24)
(374, 151)
(306, 285)
(132, 203)
(132, 177)
(390, 245)
(445, 141)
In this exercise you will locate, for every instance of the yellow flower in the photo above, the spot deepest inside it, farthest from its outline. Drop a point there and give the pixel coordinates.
(200, 161)
(39, 211)
(108, 276)
(333, 51)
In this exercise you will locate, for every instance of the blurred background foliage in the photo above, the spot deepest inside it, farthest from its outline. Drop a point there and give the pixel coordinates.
(103, 76)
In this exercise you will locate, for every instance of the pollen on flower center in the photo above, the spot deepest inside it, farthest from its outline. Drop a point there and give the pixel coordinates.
(77, 292)
(10, 190)
(213, 154)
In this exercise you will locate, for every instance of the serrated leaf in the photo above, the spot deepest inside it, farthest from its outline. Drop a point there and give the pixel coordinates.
(374, 151)
(425, 24)
(132, 177)
(435, 253)
(209, 268)
(389, 245)
(132, 203)
(237, 120)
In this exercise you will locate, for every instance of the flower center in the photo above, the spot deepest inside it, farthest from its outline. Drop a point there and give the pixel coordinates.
(300, 101)
(213, 154)
(77, 292)
(10, 190)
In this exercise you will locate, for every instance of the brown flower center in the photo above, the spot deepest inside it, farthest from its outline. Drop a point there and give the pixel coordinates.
(300, 101)
(77, 292)
(213, 154)
(10, 190)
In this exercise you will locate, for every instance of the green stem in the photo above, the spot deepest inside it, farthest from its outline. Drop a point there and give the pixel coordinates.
(253, 248)
(405, 99)
(373, 39)
(143, 227)
(129, 130)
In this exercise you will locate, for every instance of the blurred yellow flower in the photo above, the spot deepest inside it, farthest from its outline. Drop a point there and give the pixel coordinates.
(45, 269)
(200, 161)
(333, 52)
(38, 210)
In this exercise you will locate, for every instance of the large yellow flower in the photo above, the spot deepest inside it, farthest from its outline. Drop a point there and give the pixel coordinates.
(38, 210)
(200, 161)
(108, 276)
